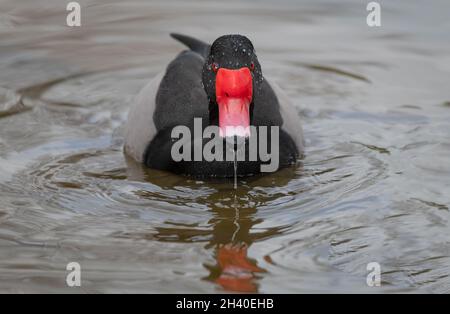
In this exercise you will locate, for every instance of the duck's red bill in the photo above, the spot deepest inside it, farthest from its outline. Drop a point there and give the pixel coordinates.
(234, 91)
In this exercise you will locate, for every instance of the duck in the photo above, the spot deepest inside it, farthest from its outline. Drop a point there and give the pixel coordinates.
(219, 85)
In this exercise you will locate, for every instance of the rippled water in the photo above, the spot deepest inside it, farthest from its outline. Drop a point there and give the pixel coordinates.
(373, 187)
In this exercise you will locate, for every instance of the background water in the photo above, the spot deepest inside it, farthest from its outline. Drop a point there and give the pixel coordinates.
(374, 185)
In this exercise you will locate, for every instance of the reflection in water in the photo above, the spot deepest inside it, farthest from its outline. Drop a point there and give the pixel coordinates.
(229, 233)
(235, 271)
(231, 238)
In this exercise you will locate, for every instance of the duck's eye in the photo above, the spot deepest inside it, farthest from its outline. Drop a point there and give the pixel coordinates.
(252, 66)
(215, 67)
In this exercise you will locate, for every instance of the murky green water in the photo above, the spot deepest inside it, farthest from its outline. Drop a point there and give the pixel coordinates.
(374, 185)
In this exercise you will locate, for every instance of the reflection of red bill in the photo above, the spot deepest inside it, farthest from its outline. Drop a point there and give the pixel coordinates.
(234, 92)
(237, 269)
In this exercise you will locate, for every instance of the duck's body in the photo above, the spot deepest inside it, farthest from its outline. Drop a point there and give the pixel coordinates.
(190, 89)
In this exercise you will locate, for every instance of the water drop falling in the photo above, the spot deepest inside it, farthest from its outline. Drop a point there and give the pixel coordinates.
(236, 219)
(235, 170)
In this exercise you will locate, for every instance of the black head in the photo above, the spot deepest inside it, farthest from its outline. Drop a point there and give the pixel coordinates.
(231, 76)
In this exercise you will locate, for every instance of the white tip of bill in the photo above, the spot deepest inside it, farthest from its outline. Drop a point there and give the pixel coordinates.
(230, 131)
